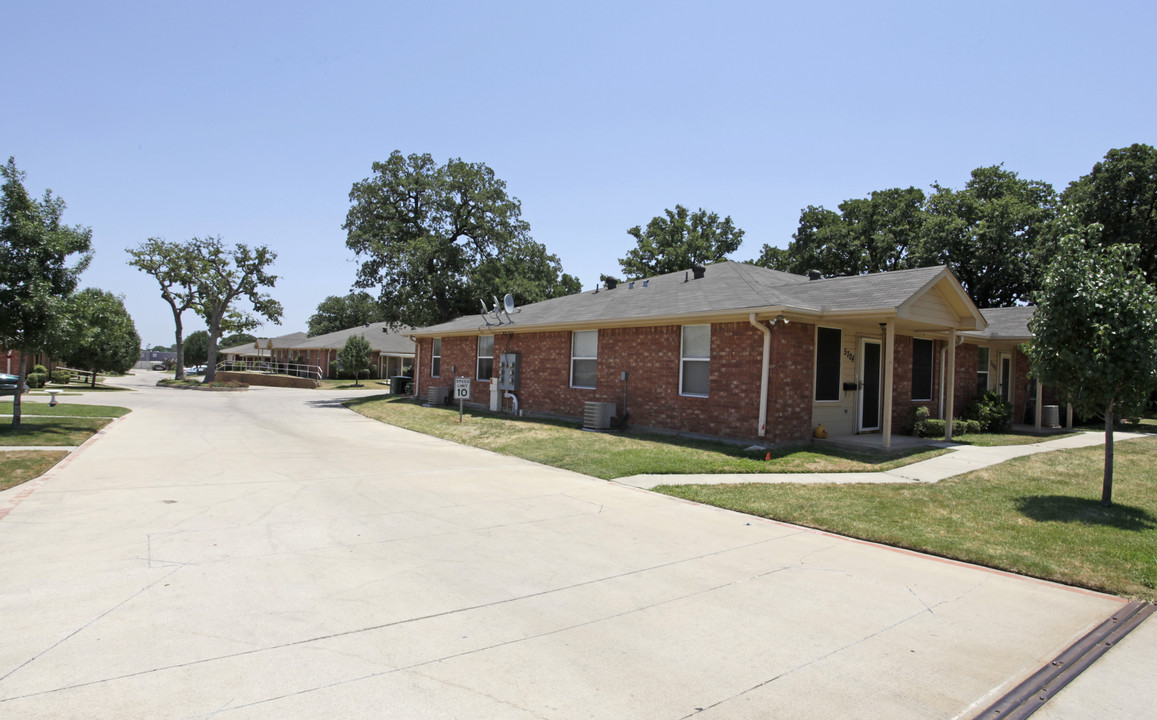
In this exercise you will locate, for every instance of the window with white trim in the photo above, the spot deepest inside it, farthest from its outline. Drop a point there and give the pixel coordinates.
(584, 358)
(436, 358)
(485, 358)
(982, 360)
(695, 360)
(921, 369)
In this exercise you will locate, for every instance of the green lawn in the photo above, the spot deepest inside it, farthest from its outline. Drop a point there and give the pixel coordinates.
(49, 430)
(18, 466)
(1009, 438)
(607, 455)
(363, 384)
(1038, 515)
(62, 409)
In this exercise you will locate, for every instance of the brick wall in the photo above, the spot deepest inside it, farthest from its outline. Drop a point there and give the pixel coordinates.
(650, 356)
(902, 402)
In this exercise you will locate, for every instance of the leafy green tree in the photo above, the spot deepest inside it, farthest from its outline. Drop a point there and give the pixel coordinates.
(987, 234)
(223, 276)
(41, 260)
(234, 340)
(1121, 194)
(1095, 331)
(174, 266)
(340, 313)
(355, 356)
(871, 234)
(434, 239)
(679, 239)
(104, 337)
(162, 348)
(197, 348)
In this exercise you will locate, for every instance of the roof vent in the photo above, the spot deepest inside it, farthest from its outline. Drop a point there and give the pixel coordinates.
(814, 275)
(612, 283)
(631, 285)
(698, 270)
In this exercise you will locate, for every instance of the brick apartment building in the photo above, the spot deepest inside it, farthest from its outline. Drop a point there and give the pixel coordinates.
(741, 352)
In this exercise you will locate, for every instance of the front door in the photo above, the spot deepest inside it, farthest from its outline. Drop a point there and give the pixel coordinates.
(869, 385)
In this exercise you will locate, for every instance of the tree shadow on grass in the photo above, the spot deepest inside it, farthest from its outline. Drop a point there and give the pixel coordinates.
(1086, 511)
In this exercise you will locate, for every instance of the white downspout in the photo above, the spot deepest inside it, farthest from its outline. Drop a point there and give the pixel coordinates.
(763, 378)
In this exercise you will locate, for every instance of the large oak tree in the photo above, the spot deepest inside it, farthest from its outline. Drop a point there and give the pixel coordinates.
(434, 239)
(679, 239)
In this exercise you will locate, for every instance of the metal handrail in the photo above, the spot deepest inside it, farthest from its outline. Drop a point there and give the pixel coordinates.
(271, 367)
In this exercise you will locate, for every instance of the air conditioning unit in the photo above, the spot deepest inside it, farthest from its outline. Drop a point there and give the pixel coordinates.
(597, 415)
(437, 395)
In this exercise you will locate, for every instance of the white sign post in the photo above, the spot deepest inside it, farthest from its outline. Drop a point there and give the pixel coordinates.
(461, 392)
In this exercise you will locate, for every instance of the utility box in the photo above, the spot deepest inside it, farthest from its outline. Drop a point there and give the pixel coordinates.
(508, 372)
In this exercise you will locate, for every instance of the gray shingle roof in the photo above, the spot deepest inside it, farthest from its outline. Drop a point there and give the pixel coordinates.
(382, 338)
(281, 341)
(727, 287)
(1006, 323)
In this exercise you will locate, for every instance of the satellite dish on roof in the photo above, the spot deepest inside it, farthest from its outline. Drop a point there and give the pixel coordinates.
(508, 303)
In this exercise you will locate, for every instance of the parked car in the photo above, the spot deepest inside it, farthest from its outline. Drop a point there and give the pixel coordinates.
(158, 366)
(8, 384)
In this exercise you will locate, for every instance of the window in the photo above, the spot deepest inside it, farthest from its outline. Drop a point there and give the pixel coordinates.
(584, 354)
(921, 369)
(982, 361)
(485, 358)
(829, 346)
(436, 358)
(695, 360)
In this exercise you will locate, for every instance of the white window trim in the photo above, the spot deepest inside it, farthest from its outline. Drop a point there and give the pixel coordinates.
(683, 360)
(986, 371)
(931, 369)
(478, 362)
(438, 356)
(574, 357)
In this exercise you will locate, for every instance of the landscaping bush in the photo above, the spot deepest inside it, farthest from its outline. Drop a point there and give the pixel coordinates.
(929, 428)
(993, 414)
(40, 369)
(60, 377)
(971, 426)
(916, 415)
(37, 379)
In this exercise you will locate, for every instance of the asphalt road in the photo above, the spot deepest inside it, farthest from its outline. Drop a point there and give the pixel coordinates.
(271, 554)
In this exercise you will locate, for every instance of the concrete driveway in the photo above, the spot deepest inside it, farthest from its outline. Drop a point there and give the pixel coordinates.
(271, 554)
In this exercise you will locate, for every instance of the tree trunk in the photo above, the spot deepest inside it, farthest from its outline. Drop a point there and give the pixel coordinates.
(211, 355)
(1107, 486)
(179, 344)
(22, 375)
(94, 378)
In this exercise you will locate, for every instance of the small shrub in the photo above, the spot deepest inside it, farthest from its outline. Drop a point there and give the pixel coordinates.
(916, 414)
(40, 369)
(972, 426)
(993, 414)
(37, 379)
(929, 428)
(60, 377)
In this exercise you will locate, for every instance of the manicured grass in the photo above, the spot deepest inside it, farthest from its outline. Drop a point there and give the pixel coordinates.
(62, 409)
(1009, 438)
(18, 466)
(1038, 515)
(609, 456)
(49, 431)
(363, 384)
(86, 388)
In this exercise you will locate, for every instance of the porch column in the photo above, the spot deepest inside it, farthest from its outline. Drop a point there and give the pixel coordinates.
(1069, 416)
(950, 385)
(1040, 402)
(889, 356)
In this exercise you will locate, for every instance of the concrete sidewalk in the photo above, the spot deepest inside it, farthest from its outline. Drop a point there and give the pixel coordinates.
(962, 459)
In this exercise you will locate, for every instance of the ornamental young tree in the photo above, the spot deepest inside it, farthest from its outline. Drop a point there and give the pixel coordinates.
(197, 348)
(172, 265)
(355, 356)
(104, 337)
(429, 237)
(679, 239)
(1095, 331)
(41, 260)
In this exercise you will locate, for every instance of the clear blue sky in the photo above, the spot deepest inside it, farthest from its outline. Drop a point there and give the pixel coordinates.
(252, 119)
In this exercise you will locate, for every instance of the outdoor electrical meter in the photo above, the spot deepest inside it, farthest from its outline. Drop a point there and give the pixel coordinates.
(508, 372)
